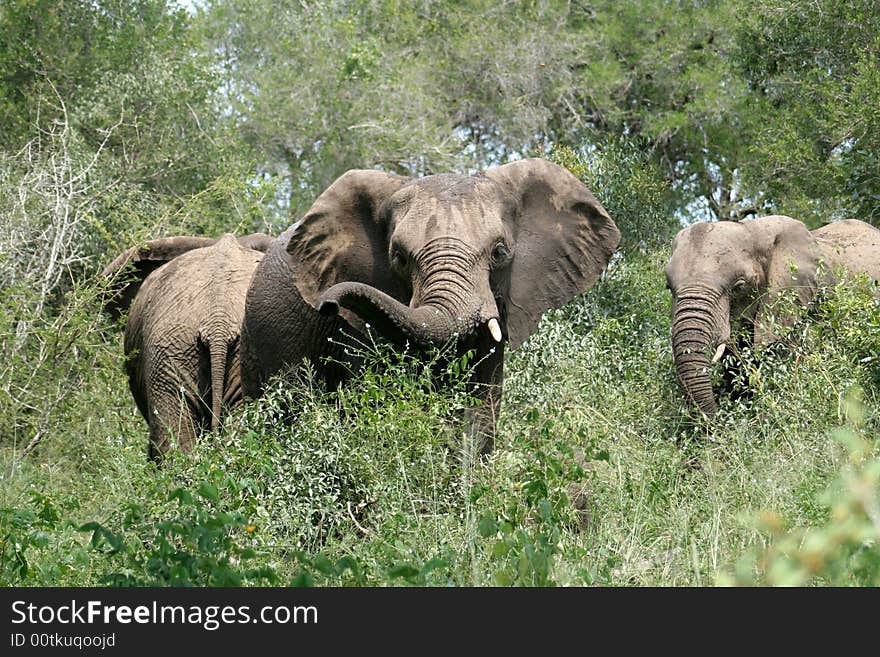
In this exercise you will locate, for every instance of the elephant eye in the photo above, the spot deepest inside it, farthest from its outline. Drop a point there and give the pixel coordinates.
(398, 258)
(739, 286)
(500, 254)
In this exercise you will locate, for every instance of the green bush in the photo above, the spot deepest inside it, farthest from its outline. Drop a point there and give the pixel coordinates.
(36, 546)
(843, 547)
(192, 546)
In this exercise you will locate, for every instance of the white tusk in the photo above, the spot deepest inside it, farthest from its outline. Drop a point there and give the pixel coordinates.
(719, 353)
(494, 329)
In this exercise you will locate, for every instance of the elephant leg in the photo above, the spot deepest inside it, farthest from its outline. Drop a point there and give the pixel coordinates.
(133, 368)
(486, 386)
(160, 440)
(175, 419)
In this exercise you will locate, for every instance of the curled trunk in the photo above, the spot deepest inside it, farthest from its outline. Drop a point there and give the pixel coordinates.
(427, 324)
(451, 297)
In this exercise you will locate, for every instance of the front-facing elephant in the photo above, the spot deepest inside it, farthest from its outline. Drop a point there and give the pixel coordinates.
(472, 259)
(734, 272)
(182, 333)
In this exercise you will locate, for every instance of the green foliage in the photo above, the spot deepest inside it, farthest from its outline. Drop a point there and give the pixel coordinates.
(660, 76)
(522, 529)
(195, 546)
(126, 76)
(26, 532)
(842, 549)
(631, 188)
(812, 71)
(414, 88)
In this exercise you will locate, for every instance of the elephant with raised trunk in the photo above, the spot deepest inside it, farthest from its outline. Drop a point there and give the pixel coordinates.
(425, 261)
(734, 272)
(186, 298)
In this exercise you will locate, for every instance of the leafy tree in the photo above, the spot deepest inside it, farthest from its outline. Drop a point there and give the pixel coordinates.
(812, 69)
(658, 74)
(429, 86)
(127, 75)
(415, 88)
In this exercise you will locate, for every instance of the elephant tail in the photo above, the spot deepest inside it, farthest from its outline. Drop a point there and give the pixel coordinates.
(217, 348)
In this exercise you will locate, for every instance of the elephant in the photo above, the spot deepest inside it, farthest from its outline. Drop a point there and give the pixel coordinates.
(728, 272)
(470, 260)
(181, 341)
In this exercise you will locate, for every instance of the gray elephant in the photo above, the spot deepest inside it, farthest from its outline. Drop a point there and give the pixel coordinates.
(475, 259)
(735, 271)
(182, 332)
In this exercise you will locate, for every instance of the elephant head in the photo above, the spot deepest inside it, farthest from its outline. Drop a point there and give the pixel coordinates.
(430, 259)
(733, 271)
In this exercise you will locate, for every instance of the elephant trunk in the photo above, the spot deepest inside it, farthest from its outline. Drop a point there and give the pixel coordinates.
(427, 324)
(700, 323)
(451, 298)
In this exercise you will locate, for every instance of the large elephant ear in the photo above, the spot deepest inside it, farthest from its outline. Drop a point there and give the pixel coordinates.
(791, 263)
(564, 239)
(344, 238)
(128, 270)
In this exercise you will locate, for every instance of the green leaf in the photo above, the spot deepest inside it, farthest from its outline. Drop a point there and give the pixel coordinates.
(502, 579)
(348, 563)
(182, 495)
(302, 580)
(323, 565)
(208, 491)
(486, 525)
(433, 564)
(499, 549)
(403, 570)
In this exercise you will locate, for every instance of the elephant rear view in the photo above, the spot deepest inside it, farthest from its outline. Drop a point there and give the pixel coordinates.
(182, 333)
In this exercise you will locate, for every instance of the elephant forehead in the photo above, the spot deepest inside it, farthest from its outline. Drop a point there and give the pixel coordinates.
(467, 211)
(709, 247)
(713, 239)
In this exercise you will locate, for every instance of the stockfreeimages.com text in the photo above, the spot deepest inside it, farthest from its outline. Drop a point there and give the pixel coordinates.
(211, 617)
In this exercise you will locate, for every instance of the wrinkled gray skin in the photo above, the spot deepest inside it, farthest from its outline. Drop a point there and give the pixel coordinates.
(734, 271)
(182, 331)
(425, 261)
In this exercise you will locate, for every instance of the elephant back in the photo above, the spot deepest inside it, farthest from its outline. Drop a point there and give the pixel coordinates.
(206, 282)
(852, 244)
